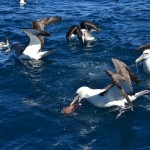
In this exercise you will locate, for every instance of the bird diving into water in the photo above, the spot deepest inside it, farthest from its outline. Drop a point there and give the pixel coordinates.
(36, 43)
(84, 32)
(145, 57)
(118, 93)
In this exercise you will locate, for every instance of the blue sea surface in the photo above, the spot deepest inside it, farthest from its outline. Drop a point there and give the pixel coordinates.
(33, 93)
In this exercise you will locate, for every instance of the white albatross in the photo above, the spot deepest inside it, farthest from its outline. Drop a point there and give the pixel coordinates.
(145, 57)
(84, 32)
(36, 42)
(4, 44)
(118, 93)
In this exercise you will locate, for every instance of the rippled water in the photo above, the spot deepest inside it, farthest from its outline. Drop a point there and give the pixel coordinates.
(33, 93)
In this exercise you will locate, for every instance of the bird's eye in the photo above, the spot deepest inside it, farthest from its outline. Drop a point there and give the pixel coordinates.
(76, 94)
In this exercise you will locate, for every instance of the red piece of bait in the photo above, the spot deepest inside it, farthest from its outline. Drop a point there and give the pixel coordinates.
(70, 109)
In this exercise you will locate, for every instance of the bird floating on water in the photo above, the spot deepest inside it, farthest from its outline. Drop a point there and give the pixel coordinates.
(22, 2)
(4, 44)
(36, 43)
(84, 32)
(145, 57)
(118, 93)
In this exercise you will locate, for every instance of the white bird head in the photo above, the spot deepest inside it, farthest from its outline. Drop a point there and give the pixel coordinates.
(144, 56)
(82, 93)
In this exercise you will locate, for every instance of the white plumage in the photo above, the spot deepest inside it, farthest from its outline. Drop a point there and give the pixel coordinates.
(112, 98)
(22, 2)
(36, 43)
(33, 50)
(145, 58)
(118, 93)
(4, 44)
(84, 32)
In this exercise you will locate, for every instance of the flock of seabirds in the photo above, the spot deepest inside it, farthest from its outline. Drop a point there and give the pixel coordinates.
(118, 93)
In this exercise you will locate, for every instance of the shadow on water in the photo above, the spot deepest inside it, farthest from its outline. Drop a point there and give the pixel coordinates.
(125, 130)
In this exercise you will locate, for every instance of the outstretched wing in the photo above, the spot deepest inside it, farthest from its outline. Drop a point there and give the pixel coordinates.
(34, 44)
(123, 70)
(41, 23)
(88, 25)
(74, 30)
(123, 73)
(143, 47)
(116, 79)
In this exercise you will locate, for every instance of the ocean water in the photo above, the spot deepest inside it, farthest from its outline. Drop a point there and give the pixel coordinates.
(33, 93)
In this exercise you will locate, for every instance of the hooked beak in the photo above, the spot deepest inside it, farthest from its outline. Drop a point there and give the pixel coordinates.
(75, 99)
(139, 59)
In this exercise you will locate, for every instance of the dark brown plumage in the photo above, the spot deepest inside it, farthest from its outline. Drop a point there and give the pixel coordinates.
(116, 78)
(123, 70)
(88, 25)
(143, 47)
(123, 74)
(41, 23)
(74, 30)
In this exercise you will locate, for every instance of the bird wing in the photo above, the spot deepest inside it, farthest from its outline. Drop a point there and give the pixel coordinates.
(125, 95)
(74, 30)
(123, 70)
(116, 78)
(41, 23)
(34, 44)
(86, 25)
(143, 47)
(131, 74)
(125, 73)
